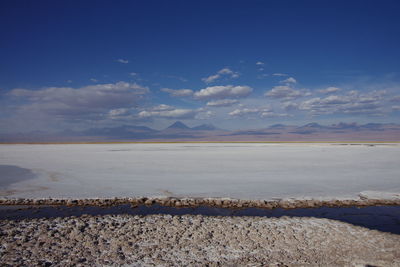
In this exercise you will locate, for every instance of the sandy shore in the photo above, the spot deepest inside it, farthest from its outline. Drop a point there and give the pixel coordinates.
(194, 240)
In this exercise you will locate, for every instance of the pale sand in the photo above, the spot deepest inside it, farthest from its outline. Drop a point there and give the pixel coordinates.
(166, 240)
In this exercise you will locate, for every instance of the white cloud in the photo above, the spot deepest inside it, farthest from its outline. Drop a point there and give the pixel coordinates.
(205, 115)
(270, 114)
(178, 92)
(290, 105)
(133, 74)
(115, 113)
(67, 101)
(244, 111)
(123, 61)
(221, 92)
(329, 90)
(396, 108)
(226, 72)
(259, 63)
(279, 74)
(240, 112)
(285, 92)
(222, 103)
(94, 80)
(352, 103)
(211, 78)
(170, 114)
(289, 80)
(162, 107)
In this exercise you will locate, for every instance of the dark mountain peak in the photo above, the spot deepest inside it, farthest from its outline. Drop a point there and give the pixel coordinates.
(205, 127)
(344, 125)
(312, 125)
(372, 125)
(178, 125)
(277, 126)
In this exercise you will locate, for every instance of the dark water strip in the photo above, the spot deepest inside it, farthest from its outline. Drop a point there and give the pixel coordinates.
(382, 218)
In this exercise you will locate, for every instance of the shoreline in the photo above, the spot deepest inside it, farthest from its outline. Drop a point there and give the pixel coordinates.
(196, 202)
(202, 142)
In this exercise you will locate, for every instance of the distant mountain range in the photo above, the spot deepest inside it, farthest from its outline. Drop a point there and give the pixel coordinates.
(178, 131)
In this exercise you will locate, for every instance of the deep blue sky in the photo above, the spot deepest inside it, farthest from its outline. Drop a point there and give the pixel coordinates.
(128, 51)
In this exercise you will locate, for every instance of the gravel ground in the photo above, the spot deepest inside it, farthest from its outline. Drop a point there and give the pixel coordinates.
(166, 240)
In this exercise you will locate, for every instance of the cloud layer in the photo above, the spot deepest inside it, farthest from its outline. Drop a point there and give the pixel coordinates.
(353, 102)
(285, 92)
(178, 92)
(67, 101)
(221, 92)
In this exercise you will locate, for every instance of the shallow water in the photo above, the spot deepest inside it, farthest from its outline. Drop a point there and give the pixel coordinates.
(382, 218)
(10, 174)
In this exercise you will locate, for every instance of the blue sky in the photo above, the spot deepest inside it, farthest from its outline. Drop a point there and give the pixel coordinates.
(236, 64)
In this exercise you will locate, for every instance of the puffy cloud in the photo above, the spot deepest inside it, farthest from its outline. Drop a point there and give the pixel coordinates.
(243, 111)
(289, 80)
(226, 71)
(67, 101)
(285, 92)
(204, 115)
(317, 105)
(178, 92)
(290, 105)
(222, 103)
(221, 92)
(351, 103)
(262, 112)
(115, 113)
(171, 114)
(259, 63)
(211, 78)
(223, 72)
(270, 114)
(123, 61)
(249, 111)
(279, 74)
(162, 107)
(329, 90)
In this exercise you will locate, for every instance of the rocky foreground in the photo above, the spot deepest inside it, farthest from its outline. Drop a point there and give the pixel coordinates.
(166, 240)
